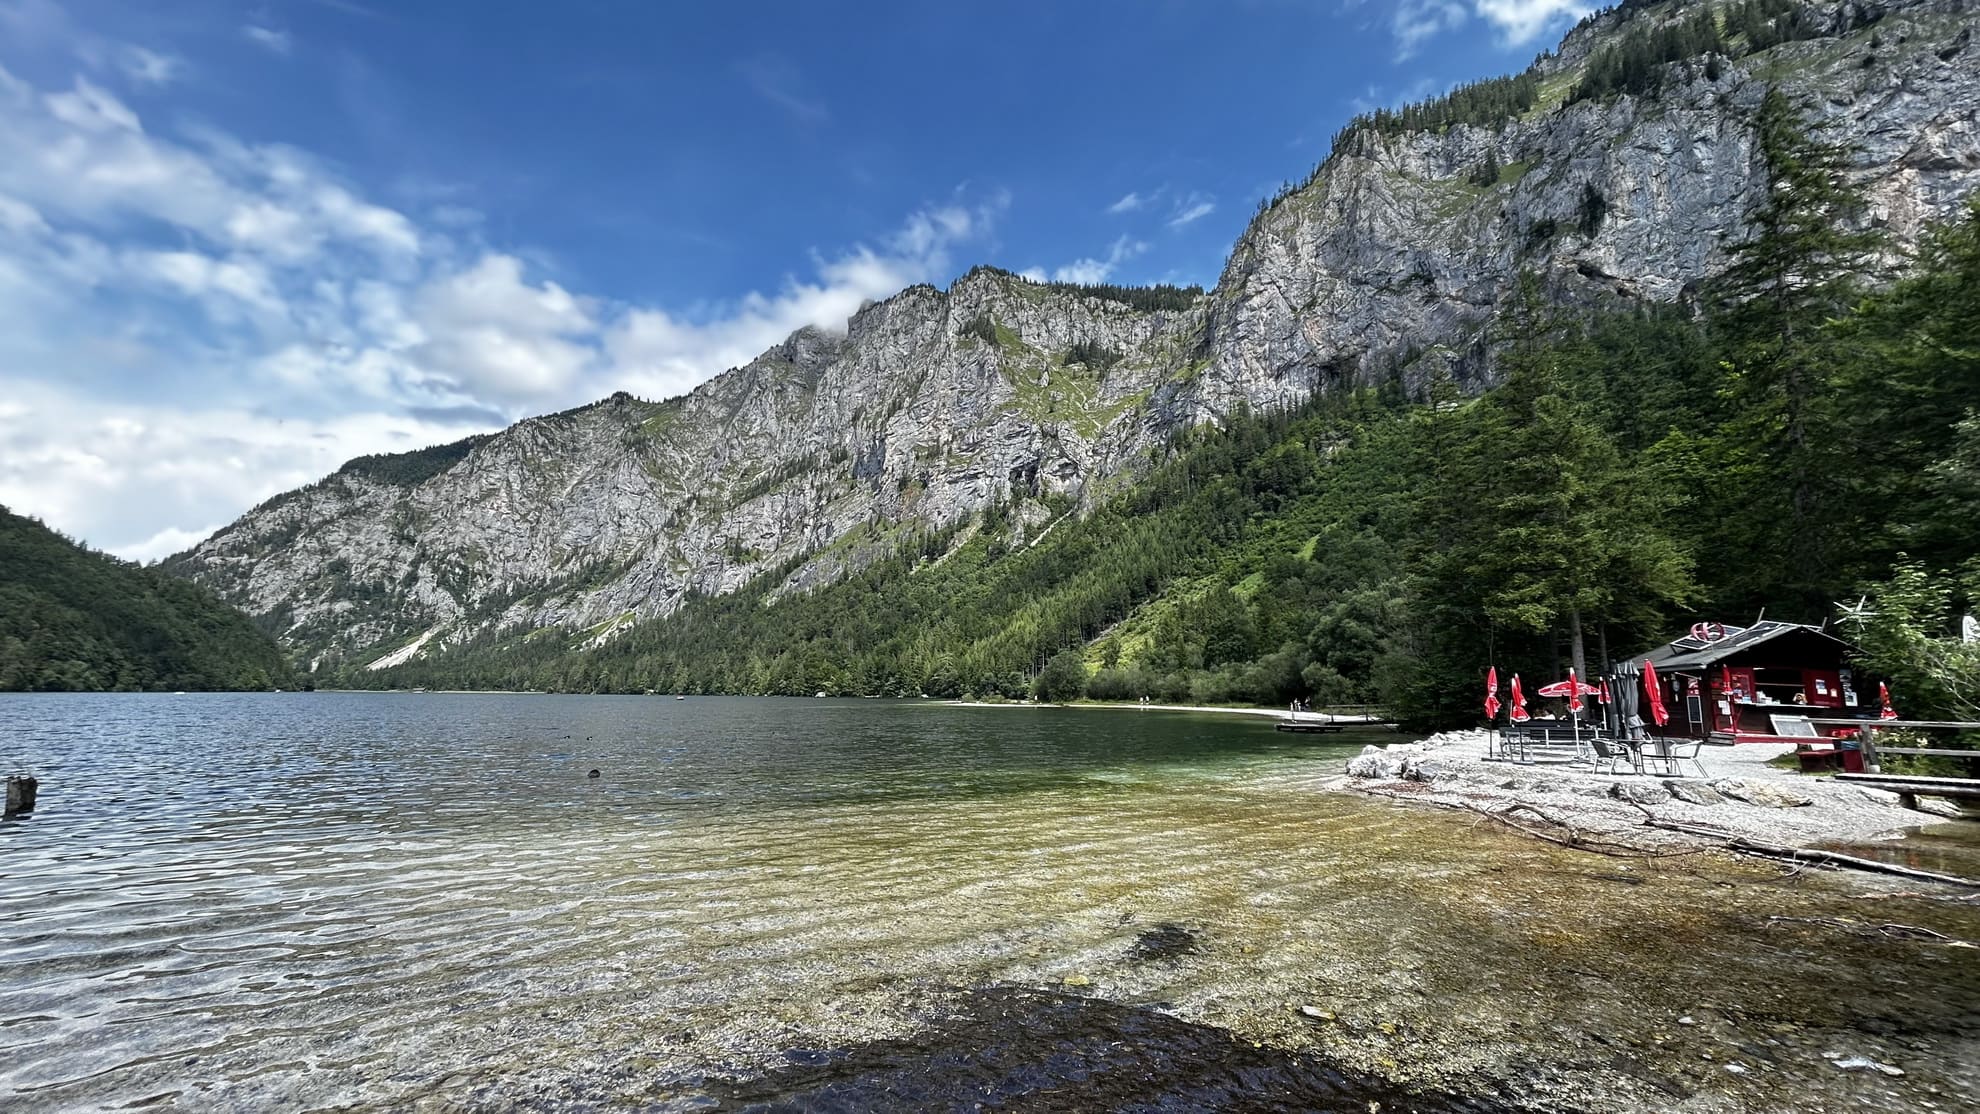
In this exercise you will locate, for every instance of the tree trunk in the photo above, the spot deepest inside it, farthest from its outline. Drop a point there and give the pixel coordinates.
(1578, 651)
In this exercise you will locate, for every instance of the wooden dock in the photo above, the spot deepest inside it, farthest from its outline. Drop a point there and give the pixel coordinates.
(1334, 720)
(1309, 727)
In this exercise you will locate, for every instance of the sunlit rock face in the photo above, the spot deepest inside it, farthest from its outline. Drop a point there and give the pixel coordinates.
(831, 449)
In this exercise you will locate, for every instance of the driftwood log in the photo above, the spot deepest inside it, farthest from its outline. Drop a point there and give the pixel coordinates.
(1746, 846)
(1566, 835)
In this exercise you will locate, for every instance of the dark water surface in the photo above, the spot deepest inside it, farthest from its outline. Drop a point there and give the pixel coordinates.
(348, 901)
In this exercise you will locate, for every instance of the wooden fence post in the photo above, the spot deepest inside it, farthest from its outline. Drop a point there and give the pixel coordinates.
(1870, 763)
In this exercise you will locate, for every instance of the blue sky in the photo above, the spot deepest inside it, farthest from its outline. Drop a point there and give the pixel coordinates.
(243, 242)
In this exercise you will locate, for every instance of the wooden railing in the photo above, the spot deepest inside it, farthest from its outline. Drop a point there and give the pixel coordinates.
(1868, 728)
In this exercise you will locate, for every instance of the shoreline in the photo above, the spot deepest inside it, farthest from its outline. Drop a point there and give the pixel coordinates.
(1739, 795)
(1275, 713)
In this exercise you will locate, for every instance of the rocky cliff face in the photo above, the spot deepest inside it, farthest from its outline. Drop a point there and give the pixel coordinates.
(934, 404)
(1396, 256)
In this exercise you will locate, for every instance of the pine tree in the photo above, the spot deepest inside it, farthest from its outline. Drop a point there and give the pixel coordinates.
(1800, 269)
(1576, 536)
(1915, 378)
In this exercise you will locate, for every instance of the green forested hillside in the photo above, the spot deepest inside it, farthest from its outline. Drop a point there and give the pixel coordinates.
(72, 620)
(1801, 434)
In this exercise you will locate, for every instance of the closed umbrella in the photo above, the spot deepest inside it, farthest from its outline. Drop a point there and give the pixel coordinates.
(1519, 713)
(1656, 694)
(1884, 694)
(1492, 694)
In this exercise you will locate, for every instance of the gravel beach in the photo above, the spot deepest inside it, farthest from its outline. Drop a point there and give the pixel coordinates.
(1739, 793)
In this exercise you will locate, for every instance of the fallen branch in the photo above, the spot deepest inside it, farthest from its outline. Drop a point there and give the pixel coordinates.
(1894, 931)
(1809, 855)
(1569, 836)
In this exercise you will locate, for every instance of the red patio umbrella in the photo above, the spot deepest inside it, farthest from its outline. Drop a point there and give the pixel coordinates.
(1656, 694)
(1606, 698)
(1574, 692)
(1568, 687)
(1492, 693)
(1884, 694)
(1519, 713)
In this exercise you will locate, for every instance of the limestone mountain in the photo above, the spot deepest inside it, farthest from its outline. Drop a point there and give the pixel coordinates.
(1618, 170)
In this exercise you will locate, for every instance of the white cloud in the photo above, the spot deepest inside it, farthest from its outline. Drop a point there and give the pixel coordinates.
(166, 542)
(91, 109)
(1088, 271)
(268, 38)
(777, 80)
(20, 217)
(86, 156)
(149, 67)
(1129, 203)
(1191, 209)
(190, 323)
(491, 333)
(217, 284)
(130, 479)
(1521, 21)
(656, 353)
(1413, 22)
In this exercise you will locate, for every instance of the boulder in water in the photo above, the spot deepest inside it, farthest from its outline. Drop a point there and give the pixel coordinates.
(20, 794)
(1374, 763)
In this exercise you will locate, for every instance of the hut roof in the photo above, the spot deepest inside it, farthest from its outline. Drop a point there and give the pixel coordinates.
(1695, 652)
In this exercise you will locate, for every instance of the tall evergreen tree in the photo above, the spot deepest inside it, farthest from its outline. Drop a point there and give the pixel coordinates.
(1576, 536)
(1801, 268)
(1914, 379)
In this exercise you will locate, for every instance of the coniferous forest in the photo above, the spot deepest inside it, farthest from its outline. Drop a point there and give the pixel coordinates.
(72, 620)
(1800, 433)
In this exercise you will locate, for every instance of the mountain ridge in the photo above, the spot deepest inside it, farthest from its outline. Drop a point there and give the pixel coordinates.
(75, 620)
(934, 405)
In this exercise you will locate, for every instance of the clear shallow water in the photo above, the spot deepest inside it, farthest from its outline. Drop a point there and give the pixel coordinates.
(332, 900)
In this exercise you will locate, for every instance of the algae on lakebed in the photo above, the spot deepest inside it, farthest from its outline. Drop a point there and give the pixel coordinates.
(1448, 955)
(461, 918)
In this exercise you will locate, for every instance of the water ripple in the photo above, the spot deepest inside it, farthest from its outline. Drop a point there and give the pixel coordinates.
(351, 901)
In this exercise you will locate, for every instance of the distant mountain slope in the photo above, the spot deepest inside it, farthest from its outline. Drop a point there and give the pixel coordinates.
(1618, 170)
(74, 620)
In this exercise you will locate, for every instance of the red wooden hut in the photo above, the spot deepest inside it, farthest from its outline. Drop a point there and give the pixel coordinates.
(1759, 683)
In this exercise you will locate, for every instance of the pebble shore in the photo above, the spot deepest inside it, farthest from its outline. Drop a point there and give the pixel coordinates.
(1739, 793)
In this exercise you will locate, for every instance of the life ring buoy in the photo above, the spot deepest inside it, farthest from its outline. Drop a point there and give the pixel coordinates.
(1708, 632)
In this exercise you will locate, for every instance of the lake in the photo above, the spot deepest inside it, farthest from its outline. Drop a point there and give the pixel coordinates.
(379, 901)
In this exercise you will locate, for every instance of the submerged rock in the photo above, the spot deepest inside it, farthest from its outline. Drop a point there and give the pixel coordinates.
(1164, 941)
(1030, 1050)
